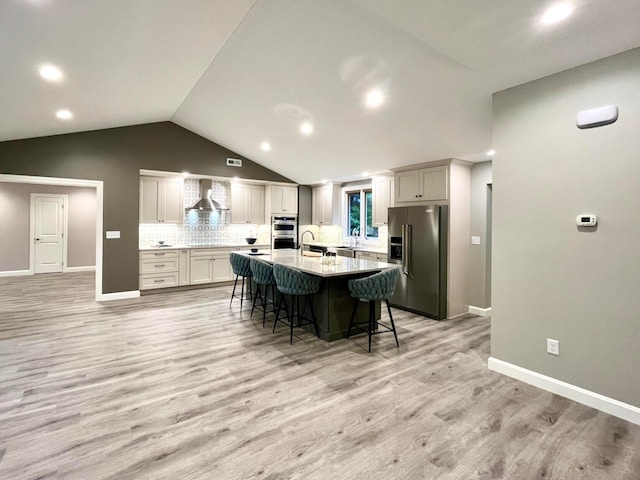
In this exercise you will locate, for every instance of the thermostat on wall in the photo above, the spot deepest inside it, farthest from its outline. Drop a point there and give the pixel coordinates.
(586, 220)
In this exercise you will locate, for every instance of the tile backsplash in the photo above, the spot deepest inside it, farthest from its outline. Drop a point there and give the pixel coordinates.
(203, 228)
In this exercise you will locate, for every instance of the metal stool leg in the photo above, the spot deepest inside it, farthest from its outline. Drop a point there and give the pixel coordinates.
(233, 293)
(253, 305)
(264, 302)
(356, 301)
(242, 293)
(372, 315)
(275, 321)
(393, 325)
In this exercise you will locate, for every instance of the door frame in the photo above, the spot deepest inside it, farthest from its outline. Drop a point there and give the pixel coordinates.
(32, 228)
(73, 182)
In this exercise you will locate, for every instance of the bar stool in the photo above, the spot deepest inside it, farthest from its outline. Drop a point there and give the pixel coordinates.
(241, 268)
(379, 286)
(262, 273)
(296, 284)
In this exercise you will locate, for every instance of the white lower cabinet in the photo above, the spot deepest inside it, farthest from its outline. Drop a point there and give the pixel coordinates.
(376, 257)
(184, 266)
(201, 270)
(159, 269)
(173, 268)
(210, 266)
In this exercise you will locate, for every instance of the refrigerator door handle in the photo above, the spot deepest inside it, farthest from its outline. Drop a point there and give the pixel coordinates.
(404, 252)
(407, 256)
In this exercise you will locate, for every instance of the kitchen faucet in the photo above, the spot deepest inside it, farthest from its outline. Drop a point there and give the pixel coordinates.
(313, 237)
(355, 237)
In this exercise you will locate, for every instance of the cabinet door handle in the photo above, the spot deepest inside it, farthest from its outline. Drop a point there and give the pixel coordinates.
(159, 254)
(159, 281)
(158, 266)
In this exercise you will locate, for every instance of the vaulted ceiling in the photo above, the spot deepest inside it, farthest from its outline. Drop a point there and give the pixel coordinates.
(244, 72)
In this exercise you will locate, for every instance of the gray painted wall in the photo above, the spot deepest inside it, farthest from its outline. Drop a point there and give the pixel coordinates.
(551, 279)
(480, 255)
(116, 156)
(15, 201)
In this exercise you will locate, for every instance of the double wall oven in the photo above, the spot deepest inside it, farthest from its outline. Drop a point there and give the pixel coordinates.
(284, 231)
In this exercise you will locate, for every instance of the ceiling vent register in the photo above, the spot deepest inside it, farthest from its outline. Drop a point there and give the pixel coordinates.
(234, 162)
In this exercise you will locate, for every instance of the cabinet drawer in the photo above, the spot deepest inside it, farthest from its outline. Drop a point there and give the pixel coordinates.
(158, 266)
(154, 255)
(209, 252)
(163, 280)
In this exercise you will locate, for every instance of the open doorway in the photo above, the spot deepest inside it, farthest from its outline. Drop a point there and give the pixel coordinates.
(87, 255)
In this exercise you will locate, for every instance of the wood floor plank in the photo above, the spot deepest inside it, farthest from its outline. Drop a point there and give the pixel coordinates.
(182, 386)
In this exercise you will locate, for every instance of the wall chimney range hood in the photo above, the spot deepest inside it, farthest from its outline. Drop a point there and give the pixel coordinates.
(206, 203)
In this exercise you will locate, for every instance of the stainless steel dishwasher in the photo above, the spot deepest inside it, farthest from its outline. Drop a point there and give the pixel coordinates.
(345, 252)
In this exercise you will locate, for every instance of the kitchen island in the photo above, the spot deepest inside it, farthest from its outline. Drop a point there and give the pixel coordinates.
(333, 303)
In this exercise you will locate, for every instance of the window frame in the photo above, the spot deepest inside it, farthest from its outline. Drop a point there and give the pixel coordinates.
(361, 190)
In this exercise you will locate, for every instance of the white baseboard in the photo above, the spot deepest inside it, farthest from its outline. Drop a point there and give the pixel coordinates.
(572, 392)
(15, 273)
(483, 312)
(107, 297)
(88, 268)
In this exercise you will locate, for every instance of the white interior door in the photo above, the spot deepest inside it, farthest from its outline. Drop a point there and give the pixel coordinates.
(48, 233)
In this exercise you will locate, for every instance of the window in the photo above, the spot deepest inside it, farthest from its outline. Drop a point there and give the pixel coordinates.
(360, 213)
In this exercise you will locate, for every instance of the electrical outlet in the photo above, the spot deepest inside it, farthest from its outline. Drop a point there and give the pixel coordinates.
(553, 346)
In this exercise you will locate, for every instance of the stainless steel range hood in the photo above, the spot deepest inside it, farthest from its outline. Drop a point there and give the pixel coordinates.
(206, 203)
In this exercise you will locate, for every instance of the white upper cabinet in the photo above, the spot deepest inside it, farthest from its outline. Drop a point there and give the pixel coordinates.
(247, 203)
(325, 205)
(422, 185)
(284, 199)
(382, 188)
(161, 200)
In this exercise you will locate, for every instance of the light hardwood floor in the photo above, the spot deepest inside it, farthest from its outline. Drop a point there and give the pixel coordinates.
(180, 386)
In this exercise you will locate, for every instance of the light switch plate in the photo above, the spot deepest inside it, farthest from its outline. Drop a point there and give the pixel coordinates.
(111, 234)
(475, 240)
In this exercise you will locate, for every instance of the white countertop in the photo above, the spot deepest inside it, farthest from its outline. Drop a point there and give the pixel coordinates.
(182, 247)
(313, 265)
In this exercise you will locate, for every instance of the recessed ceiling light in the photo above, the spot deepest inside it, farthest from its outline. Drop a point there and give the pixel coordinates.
(185, 174)
(491, 152)
(51, 73)
(306, 128)
(265, 146)
(64, 114)
(556, 13)
(323, 181)
(374, 98)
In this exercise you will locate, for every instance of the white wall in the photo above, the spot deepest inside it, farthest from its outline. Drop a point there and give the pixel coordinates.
(550, 279)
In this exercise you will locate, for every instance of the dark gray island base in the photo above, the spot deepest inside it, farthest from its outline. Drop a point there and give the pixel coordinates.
(333, 307)
(332, 304)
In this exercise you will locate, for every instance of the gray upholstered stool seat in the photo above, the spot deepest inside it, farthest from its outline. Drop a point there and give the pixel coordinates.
(379, 286)
(295, 284)
(263, 276)
(241, 268)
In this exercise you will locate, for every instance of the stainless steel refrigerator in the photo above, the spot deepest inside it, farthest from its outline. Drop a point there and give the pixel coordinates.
(418, 243)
